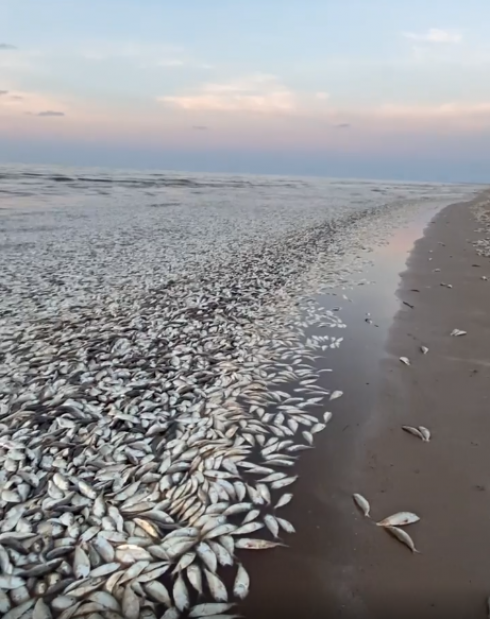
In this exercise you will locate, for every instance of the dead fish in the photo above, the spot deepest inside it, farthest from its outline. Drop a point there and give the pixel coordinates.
(424, 350)
(415, 431)
(362, 504)
(252, 515)
(284, 500)
(5, 603)
(210, 609)
(62, 602)
(133, 571)
(405, 360)
(399, 519)
(180, 594)
(81, 563)
(256, 544)
(129, 426)
(285, 525)
(130, 604)
(130, 553)
(402, 537)
(457, 333)
(105, 599)
(242, 583)
(272, 525)
(207, 556)
(158, 592)
(282, 483)
(18, 611)
(425, 433)
(195, 577)
(41, 610)
(327, 417)
(336, 394)
(216, 587)
(11, 582)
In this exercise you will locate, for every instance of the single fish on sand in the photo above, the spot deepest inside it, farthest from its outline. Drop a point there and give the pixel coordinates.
(415, 431)
(457, 333)
(362, 504)
(400, 519)
(402, 537)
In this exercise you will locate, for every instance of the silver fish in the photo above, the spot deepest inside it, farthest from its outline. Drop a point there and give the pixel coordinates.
(180, 594)
(210, 609)
(130, 604)
(284, 500)
(216, 587)
(399, 519)
(403, 537)
(457, 333)
(242, 583)
(415, 431)
(362, 503)
(256, 544)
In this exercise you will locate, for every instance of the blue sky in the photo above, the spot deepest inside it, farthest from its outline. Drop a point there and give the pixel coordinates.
(394, 89)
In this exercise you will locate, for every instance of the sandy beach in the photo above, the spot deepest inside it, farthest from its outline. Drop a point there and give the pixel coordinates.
(444, 481)
(340, 564)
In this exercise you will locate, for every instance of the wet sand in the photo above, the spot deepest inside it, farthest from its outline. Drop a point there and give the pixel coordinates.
(339, 564)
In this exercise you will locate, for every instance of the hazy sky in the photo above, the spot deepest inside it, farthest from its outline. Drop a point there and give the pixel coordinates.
(379, 88)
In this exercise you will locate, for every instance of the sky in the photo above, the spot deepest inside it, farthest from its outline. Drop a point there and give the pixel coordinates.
(356, 88)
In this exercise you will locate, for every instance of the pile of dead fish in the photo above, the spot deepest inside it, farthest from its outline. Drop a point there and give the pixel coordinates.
(146, 440)
(150, 421)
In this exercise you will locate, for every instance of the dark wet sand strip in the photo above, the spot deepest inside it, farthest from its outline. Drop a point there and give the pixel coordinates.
(447, 480)
(339, 564)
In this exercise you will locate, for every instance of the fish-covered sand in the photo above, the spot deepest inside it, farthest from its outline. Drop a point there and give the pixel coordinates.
(166, 358)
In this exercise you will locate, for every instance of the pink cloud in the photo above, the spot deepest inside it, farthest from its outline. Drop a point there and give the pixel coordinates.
(20, 102)
(257, 93)
(269, 115)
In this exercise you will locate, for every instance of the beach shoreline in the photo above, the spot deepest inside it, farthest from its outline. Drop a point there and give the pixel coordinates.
(339, 563)
(446, 390)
